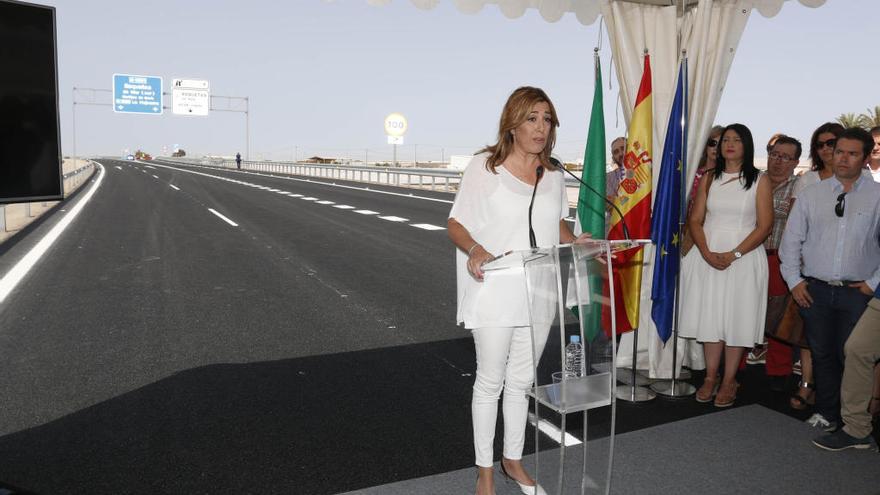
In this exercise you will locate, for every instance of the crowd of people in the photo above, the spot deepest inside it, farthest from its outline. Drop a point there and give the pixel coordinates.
(786, 270)
(773, 262)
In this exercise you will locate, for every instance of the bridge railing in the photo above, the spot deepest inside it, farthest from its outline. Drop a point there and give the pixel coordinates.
(421, 178)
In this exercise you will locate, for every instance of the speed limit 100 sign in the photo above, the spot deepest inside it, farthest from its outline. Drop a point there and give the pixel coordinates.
(395, 124)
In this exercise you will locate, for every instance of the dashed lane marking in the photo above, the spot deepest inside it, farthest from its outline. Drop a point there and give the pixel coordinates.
(427, 226)
(553, 432)
(230, 222)
(325, 202)
(344, 207)
(366, 212)
(174, 187)
(392, 218)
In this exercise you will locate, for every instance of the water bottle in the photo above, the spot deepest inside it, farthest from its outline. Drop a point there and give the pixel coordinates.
(574, 357)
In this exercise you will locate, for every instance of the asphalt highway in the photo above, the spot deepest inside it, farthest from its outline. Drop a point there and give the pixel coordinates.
(198, 330)
(204, 330)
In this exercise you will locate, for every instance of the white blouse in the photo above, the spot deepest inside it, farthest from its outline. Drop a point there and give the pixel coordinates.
(494, 208)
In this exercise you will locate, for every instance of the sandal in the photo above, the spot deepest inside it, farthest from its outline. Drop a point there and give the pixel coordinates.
(726, 395)
(707, 392)
(799, 401)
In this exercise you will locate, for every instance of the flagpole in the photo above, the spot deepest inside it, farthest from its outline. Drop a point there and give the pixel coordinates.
(634, 391)
(674, 388)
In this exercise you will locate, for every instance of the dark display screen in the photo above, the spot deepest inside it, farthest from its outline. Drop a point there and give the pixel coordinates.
(30, 158)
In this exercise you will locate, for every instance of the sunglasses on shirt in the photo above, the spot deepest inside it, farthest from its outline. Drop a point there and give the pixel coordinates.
(841, 204)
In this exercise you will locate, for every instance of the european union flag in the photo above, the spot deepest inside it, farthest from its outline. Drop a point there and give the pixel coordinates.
(667, 212)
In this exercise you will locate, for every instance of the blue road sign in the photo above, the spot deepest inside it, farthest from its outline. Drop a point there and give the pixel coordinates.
(137, 94)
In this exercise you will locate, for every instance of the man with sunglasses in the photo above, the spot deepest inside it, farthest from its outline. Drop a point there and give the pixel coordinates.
(830, 254)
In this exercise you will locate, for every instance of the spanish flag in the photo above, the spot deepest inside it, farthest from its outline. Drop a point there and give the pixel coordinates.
(634, 201)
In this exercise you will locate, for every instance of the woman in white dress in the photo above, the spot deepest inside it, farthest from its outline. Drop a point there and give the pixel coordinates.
(490, 216)
(724, 280)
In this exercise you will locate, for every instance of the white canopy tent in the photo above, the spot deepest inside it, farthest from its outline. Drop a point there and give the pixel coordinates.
(709, 31)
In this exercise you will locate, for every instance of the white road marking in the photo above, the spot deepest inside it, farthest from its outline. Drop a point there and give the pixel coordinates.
(150, 166)
(375, 191)
(155, 177)
(174, 187)
(24, 265)
(120, 168)
(390, 218)
(553, 432)
(427, 226)
(230, 222)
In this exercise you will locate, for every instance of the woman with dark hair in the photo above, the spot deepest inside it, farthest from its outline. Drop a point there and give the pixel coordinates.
(821, 155)
(488, 217)
(707, 161)
(724, 280)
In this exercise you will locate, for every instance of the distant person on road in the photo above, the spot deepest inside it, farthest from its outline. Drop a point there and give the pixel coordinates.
(238, 161)
(488, 218)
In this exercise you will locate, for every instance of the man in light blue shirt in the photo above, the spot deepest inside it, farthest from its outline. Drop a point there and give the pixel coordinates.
(830, 255)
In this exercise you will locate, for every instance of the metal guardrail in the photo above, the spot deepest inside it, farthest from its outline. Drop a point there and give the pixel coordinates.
(421, 178)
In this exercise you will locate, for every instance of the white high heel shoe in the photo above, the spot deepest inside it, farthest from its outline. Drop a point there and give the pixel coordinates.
(525, 489)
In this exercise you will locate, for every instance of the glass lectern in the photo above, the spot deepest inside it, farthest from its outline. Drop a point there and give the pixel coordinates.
(568, 289)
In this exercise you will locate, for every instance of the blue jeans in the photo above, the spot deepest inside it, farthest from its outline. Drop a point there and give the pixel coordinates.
(827, 323)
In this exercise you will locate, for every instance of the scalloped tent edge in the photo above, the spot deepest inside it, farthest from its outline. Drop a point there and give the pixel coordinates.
(586, 11)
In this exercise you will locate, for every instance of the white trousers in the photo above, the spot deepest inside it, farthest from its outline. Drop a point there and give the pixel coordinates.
(504, 361)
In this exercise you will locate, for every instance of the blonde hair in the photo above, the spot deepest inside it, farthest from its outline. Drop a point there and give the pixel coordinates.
(516, 111)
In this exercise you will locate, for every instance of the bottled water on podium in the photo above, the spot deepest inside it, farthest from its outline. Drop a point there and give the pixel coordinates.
(574, 357)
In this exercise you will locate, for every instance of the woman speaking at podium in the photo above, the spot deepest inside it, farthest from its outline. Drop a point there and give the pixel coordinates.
(490, 216)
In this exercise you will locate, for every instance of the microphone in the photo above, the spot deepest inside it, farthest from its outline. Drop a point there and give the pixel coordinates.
(556, 163)
(539, 172)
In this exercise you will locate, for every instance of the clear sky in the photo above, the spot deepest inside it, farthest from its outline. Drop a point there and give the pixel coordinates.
(321, 76)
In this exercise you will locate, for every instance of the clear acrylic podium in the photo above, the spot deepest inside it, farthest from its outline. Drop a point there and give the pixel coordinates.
(567, 288)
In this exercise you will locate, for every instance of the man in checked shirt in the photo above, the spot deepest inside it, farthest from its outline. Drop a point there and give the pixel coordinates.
(781, 162)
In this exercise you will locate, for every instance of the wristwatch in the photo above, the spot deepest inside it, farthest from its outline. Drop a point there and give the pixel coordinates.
(737, 254)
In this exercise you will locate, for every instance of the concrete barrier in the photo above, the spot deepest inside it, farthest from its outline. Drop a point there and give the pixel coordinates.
(16, 216)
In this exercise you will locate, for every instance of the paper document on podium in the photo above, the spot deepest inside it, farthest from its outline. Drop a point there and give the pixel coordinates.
(512, 259)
